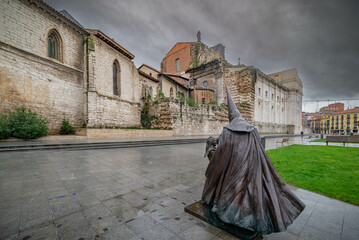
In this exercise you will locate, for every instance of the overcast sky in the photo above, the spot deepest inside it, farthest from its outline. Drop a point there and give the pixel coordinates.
(318, 38)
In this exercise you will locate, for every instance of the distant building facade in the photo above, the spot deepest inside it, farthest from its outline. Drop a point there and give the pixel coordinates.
(334, 107)
(344, 122)
(171, 85)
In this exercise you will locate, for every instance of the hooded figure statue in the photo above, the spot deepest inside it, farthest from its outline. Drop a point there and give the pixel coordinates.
(242, 185)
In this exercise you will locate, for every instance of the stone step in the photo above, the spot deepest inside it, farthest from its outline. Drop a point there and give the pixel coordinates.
(98, 145)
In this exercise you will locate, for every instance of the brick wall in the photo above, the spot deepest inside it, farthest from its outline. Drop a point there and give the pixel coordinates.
(184, 56)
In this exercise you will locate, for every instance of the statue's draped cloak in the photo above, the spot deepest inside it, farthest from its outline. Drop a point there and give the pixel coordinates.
(243, 186)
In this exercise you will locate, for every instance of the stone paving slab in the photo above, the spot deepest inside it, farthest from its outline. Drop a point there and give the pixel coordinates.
(133, 193)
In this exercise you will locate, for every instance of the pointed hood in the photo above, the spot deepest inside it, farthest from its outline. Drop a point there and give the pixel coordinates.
(233, 111)
(236, 121)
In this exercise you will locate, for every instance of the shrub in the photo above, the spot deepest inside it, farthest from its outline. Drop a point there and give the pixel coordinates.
(26, 124)
(66, 128)
(190, 102)
(160, 95)
(5, 128)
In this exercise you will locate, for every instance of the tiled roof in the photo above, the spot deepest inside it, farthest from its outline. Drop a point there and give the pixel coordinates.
(70, 17)
(173, 80)
(59, 16)
(203, 88)
(354, 110)
(178, 46)
(147, 75)
(149, 67)
(111, 42)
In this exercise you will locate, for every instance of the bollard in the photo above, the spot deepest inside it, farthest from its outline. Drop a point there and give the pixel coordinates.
(263, 141)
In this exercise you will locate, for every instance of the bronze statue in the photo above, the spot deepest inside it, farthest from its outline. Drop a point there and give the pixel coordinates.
(242, 186)
(211, 147)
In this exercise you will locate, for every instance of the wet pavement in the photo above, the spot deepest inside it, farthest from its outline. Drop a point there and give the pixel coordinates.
(133, 193)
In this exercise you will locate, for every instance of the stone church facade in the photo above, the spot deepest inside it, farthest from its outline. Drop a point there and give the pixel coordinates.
(51, 64)
(272, 102)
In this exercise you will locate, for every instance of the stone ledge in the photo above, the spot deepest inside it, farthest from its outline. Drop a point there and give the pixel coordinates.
(93, 133)
(203, 212)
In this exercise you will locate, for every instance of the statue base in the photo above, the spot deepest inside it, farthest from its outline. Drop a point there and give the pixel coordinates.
(203, 212)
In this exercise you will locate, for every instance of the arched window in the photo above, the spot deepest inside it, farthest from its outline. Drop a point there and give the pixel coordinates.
(54, 45)
(116, 78)
(143, 91)
(171, 92)
(151, 92)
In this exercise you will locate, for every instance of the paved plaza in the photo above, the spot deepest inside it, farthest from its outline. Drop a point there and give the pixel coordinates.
(133, 193)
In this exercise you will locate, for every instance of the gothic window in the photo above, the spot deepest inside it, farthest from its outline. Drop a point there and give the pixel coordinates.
(151, 92)
(205, 84)
(54, 45)
(116, 78)
(171, 92)
(143, 91)
(177, 65)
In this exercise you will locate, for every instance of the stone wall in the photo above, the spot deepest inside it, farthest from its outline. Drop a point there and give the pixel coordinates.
(105, 108)
(28, 77)
(126, 133)
(202, 54)
(166, 85)
(105, 56)
(241, 86)
(185, 120)
(53, 90)
(26, 27)
(146, 82)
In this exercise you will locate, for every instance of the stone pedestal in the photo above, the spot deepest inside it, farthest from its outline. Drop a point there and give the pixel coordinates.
(203, 211)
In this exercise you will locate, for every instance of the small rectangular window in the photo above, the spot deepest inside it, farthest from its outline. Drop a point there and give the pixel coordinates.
(177, 65)
(259, 91)
(266, 94)
(203, 101)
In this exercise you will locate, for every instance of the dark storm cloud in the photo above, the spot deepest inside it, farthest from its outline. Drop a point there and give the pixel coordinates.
(319, 38)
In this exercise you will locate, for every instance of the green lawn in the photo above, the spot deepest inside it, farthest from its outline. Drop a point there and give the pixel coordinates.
(329, 170)
(321, 140)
